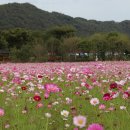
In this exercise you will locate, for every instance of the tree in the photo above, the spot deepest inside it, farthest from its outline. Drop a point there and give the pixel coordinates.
(61, 32)
(18, 37)
(85, 46)
(101, 45)
(3, 42)
(54, 38)
(70, 47)
(21, 55)
(118, 44)
(39, 51)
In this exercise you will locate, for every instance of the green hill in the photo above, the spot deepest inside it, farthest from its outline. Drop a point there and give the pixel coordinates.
(28, 16)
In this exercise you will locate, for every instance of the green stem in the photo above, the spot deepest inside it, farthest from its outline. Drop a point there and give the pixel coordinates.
(47, 124)
(127, 112)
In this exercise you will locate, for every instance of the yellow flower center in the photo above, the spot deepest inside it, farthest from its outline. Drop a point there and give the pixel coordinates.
(94, 102)
(80, 121)
(65, 114)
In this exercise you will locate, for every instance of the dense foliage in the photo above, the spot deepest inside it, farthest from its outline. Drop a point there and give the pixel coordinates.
(62, 44)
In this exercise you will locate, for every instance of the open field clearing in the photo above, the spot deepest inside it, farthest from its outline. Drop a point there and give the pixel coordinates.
(65, 96)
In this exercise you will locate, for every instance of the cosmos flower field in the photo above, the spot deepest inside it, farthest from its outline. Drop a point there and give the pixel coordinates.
(65, 96)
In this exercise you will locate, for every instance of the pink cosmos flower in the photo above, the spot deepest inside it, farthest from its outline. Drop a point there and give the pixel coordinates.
(111, 108)
(69, 76)
(52, 88)
(126, 95)
(83, 84)
(77, 93)
(87, 71)
(46, 95)
(79, 121)
(16, 80)
(2, 112)
(95, 126)
(49, 106)
(88, 86)
(39, 105)
(102, 106)
(76, 129)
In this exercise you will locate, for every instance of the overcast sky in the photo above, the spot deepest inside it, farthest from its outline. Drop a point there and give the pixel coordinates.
(103, 10)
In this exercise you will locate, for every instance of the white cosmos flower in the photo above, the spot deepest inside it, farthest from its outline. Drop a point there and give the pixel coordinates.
(55, 103)
(31, 89)
(31, 84)
(105, 81)
(65, 113)
(1, 91)
(68, 100)
(94, 101)
(122, 82)
(48, 115)
(123, 107)
(115, 95)
(67, 125)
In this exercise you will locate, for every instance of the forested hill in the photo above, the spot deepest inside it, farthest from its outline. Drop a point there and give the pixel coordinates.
(28, 16)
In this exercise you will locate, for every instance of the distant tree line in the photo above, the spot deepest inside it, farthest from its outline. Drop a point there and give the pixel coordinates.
(61, 43)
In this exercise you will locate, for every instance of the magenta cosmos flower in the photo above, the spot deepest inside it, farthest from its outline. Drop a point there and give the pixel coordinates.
(2, 112)
(37, 98)
(113, 85)
(107, 97)
(95, 126)
(52, 88)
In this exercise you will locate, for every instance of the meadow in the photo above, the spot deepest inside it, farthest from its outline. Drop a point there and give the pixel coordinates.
(65, 96)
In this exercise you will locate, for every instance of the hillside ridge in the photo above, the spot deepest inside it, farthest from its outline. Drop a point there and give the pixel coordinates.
(26, 15)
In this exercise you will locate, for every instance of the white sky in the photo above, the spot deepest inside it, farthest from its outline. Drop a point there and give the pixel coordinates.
(102, 10)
